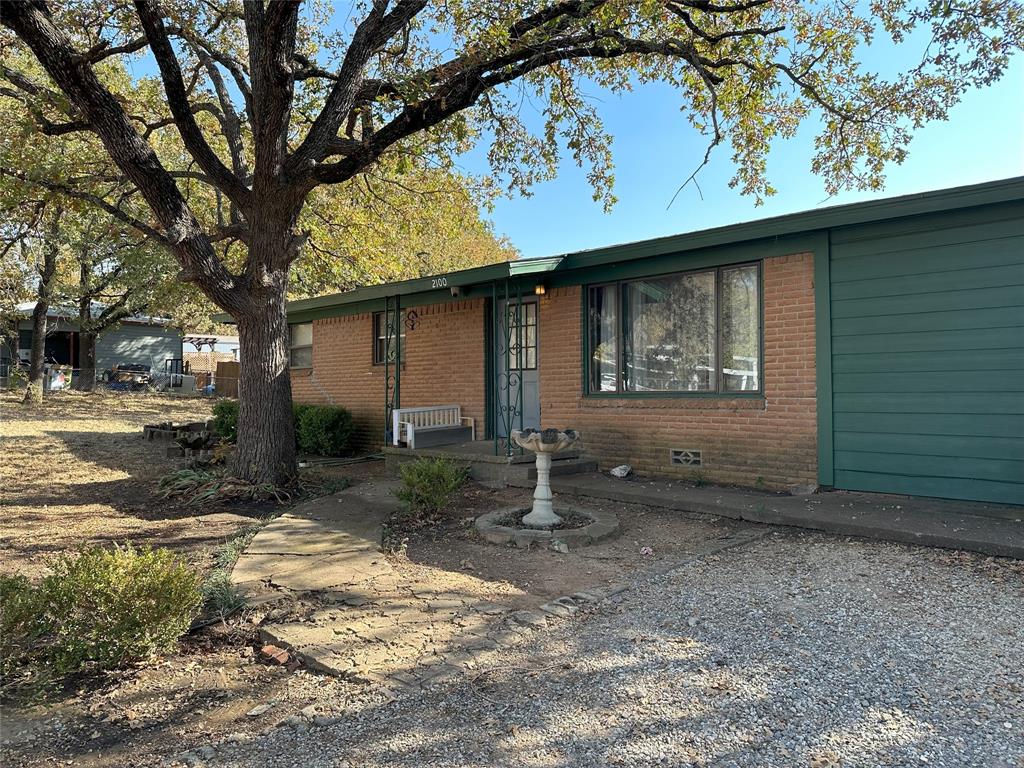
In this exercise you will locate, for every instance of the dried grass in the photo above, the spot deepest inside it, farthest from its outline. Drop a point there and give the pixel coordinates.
(76, 470)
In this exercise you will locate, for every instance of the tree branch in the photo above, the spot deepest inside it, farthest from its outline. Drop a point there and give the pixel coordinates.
(99, 202)
(32, 22)
(373, 32)
(464, 86)
(177, 100)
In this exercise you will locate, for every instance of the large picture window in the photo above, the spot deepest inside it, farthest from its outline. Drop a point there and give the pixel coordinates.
(688, 332)
(380, 338)
(300, 347)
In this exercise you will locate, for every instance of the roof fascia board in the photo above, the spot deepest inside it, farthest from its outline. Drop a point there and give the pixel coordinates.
(772, 236)
(685, 260)
(826, 218)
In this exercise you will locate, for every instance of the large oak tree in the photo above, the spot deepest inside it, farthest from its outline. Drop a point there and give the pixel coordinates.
(272, 105)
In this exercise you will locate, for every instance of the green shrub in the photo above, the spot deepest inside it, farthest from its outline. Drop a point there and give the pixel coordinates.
(320, 430)
(99, 610)
(21, 630)
(323, 430)
(428, 485)
(110, 607)
(225, 419)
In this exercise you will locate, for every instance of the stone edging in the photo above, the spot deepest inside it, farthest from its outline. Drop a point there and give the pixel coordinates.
(603, 525)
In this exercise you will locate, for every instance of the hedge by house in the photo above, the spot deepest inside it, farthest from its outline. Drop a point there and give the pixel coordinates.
(320, 430)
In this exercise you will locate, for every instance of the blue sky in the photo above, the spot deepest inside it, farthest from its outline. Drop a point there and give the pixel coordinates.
(655, 150)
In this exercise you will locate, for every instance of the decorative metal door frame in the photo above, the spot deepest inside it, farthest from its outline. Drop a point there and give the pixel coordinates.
(392, 362)
(507, 379)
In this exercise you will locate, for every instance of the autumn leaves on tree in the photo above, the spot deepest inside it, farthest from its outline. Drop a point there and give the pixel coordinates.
(267, 128)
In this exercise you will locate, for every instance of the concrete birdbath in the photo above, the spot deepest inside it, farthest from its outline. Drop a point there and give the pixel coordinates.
(525, 527)
(544, 443)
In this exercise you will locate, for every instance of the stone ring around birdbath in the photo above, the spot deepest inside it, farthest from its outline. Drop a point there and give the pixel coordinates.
(541, 524)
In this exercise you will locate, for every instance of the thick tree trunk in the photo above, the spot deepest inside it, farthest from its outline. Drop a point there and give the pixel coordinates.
(86, 379)
(47, 272)
(265, 452)
(34, 391)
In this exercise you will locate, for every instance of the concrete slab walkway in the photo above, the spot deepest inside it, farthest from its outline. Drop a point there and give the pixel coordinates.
(327, 594)
(328, 543)
(991, 529)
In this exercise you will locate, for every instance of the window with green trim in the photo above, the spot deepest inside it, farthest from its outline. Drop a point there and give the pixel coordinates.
(690, 332)
(380, 337)
(300, 345)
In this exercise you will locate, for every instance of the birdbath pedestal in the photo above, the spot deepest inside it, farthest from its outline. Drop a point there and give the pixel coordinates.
(544, 443)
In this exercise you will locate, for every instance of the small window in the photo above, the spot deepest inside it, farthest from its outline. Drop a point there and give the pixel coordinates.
(380, 338)
(604, 340)
(741, 330)
(300, 352)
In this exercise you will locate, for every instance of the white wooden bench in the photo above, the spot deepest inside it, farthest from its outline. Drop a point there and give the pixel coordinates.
(431, 425)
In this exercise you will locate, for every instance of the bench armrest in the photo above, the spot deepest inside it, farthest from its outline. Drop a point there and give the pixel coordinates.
(406, 430)
(471, 423)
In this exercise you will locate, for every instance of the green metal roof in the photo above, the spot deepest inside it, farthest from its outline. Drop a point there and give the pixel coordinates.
(429, 290)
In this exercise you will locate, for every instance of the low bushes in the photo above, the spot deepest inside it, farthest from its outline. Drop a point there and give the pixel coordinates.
(323, 430)
(428, 485)
(320, 430)
(98, 610)
(225, 419)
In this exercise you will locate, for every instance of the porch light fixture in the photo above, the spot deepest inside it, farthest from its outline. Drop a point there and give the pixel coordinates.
(540, 289)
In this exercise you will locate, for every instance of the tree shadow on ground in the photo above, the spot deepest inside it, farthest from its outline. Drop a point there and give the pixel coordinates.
(770, 675)
(67, 488)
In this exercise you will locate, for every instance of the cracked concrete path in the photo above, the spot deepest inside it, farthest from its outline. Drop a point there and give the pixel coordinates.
(329, 595)
(325, 544)
(319, 586)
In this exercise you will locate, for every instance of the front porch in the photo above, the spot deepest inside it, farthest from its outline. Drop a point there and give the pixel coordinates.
(488, 462)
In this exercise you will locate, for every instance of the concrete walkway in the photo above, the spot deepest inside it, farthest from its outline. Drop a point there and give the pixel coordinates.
(991, 529)
(321, 588)
(329, 543)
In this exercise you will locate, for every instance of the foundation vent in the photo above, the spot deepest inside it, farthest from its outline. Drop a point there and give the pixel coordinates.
(686, 457)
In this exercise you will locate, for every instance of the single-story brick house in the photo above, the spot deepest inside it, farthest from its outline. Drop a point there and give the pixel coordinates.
(877, 346)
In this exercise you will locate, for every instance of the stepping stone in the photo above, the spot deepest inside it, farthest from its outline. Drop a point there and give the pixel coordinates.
(563, 606)
(529, 619)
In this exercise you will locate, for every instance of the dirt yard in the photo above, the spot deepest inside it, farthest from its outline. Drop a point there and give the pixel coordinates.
(77, 471)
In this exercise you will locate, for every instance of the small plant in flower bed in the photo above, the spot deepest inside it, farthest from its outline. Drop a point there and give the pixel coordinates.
(428, 486)
(320, 430)
(225, 419)
(99, 610)
(200, 486)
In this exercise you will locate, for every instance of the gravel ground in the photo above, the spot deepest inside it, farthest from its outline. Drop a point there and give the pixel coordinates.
(795, 650)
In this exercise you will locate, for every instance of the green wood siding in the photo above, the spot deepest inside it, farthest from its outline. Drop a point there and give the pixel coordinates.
(927, 355)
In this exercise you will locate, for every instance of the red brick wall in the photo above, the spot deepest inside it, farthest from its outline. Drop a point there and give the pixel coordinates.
(444, 363)
(770, 441)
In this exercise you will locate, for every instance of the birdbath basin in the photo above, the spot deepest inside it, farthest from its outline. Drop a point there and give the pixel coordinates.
(544, 443)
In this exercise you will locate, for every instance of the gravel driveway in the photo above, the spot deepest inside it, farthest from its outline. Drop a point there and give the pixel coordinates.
(794, 650)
